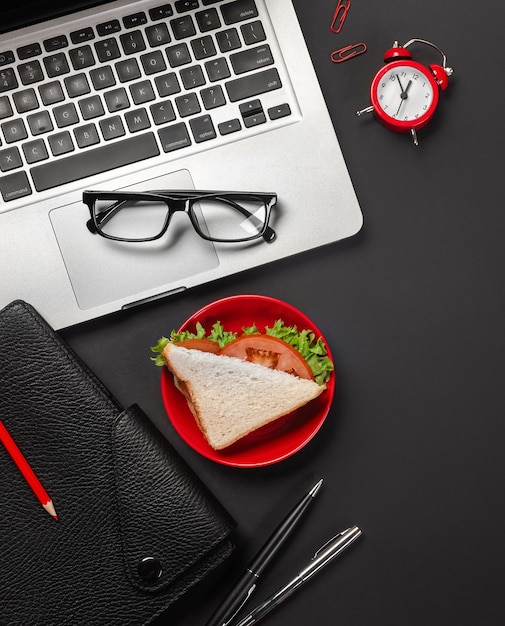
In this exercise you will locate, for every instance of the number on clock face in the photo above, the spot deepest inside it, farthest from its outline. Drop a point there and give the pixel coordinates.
(404, 93)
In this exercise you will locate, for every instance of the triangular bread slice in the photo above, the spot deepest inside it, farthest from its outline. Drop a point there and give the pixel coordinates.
(230, 397)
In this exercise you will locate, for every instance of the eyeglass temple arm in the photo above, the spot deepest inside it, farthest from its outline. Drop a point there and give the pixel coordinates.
(104, 217)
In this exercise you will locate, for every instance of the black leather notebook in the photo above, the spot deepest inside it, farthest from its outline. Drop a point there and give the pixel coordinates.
(136, 527)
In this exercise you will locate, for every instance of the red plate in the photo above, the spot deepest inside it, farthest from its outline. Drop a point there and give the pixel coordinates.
(274, 442)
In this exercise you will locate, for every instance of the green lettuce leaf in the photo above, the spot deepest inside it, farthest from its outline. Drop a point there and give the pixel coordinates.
(311, 348)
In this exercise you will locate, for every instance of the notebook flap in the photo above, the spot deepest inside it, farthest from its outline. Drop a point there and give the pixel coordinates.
(170, 523)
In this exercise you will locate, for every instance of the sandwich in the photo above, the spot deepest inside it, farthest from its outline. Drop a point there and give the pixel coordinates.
(234, 385)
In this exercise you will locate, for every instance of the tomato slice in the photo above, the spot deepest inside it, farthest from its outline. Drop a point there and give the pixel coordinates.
(270, 352)
(205, 345)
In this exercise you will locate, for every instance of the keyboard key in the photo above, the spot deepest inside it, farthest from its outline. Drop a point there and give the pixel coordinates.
(112, 128)
(183, 27)
(251, 59)
(94, 161)
(56, 65)
(192, 77)
(178, 55)
(102, 77)
(133, 42)
(5, 108)
(40, 123)
(7, 57)
(65, 115)
(91, 107)
(107, 50)
(15, 186)
(137, 120)
(185, 5)
(252, 113)
(10, 159)
(203, 47)
(187, 104)
(153, 63)
(128, 70)
(208, 20)
(167, 85)
(107, 28)
(282, 110)
(29, 51)
(213, 97)
(84, 34)
(82, 57)
(158, 35)
(55, 43)
(253, 32)
(142, 92)
(86, 135)
(217, 69)
(239, 11)
(253, 84)
(117, 99)
(51, 93)
(202, 128)
(8, 80)
(30, 73)
(135, 20)
(61, 143)
(14, 130)
(174, 137)
(25, 100)
(161, 12)
(231, 126)
(228, 40)
(77, 85)
(35, 151)
(162, 112)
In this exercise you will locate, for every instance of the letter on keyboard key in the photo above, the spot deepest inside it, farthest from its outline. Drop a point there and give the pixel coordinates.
(253, 85)
(95, 161)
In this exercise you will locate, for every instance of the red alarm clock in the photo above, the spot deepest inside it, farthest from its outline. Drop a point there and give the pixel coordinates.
(404, 93)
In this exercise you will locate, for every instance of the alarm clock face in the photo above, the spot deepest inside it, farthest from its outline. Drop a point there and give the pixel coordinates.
(404, 95)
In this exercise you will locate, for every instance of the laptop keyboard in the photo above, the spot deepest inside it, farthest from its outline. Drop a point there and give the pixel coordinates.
(173, 77)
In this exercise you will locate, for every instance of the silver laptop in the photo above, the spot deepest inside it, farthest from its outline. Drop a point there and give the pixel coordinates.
(153, 95)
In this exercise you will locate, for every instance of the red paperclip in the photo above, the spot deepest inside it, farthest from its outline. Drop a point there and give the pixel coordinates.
(340, 14)
(337, 56)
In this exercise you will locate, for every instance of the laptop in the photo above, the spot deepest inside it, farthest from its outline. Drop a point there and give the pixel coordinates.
(153, 95)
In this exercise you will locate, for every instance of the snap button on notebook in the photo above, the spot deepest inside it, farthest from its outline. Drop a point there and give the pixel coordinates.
(150, 569)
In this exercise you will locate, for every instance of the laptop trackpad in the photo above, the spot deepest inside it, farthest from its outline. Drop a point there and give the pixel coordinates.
(102, 271)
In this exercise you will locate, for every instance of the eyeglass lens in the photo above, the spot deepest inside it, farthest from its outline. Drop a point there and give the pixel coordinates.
(216, 218)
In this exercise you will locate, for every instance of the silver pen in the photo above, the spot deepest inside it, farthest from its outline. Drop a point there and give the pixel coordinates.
(321, 558)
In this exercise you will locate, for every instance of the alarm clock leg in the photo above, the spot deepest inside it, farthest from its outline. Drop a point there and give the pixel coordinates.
(367, 110)
(414, 136)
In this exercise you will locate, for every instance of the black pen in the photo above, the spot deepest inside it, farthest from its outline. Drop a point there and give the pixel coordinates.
(246, 584)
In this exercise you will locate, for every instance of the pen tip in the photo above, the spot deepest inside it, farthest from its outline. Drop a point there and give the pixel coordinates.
(316, 487)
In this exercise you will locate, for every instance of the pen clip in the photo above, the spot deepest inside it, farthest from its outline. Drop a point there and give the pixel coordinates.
(316, 553)
(339, 16)
(343, 54)
(236, 612)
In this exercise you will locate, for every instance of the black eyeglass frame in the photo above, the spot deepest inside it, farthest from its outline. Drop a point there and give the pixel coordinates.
(179, 200)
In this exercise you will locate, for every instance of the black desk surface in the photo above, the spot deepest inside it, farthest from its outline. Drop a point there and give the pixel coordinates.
(413, 309)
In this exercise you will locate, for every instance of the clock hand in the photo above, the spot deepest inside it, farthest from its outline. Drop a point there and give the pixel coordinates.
(404, 94)
(401, 88)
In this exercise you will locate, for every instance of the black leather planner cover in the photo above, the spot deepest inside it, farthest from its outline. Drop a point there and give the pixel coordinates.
(136, 527)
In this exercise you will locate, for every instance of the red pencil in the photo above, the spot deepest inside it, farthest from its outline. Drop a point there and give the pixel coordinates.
(27, 472)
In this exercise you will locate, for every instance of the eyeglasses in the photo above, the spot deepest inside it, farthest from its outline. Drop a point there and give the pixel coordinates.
(219, 216)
